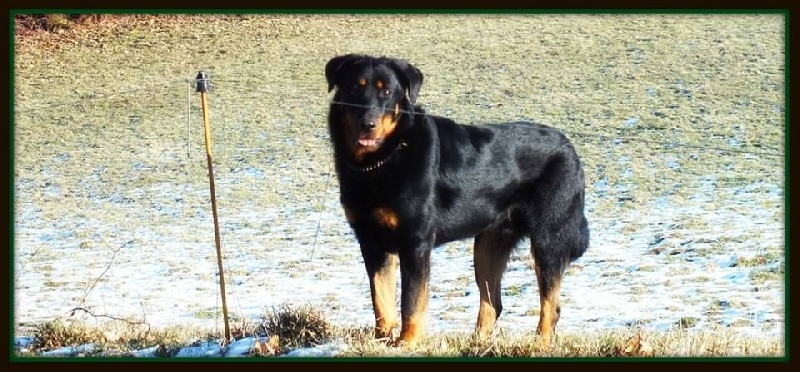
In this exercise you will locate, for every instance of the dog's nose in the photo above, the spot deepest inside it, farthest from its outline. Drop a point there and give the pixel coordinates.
(369, 124)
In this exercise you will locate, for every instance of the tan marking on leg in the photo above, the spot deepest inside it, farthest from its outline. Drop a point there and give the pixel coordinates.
(383, 286)
(549, 313)
(490, 257)
(488, 289)
(549, 306)
(414, 327)
(386, 217)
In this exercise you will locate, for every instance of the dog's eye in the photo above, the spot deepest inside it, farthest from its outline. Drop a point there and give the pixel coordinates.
(357, 90)
(386, 93)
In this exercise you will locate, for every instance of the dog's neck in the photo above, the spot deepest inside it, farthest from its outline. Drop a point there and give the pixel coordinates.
(378, 163)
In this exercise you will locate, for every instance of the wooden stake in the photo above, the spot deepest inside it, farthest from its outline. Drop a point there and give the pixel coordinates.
(202, 88)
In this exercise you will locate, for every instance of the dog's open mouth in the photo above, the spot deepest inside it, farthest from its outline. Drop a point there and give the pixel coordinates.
(370, 142)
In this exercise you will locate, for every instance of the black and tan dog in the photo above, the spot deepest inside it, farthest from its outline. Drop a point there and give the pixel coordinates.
(410, 181)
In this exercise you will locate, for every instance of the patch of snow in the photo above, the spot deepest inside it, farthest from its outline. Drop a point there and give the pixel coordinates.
(631, 122)
(70, 351)
(149, 352)
(24, 343)
(204, 350)
(242, 347)
(330, 349)
(164, 271)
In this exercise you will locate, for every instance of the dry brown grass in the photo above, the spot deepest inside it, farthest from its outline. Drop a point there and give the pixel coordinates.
(294, 327)
(297, 326)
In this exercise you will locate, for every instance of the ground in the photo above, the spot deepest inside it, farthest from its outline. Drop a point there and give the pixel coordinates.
(679, 120)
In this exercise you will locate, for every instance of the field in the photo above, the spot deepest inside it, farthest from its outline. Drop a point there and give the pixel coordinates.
(679, 120)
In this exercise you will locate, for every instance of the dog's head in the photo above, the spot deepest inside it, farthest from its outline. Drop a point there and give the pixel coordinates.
(372, 95)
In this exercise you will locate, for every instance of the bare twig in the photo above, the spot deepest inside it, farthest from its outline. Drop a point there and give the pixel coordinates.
(22, 267)
(115, 318)
(487, 351)
(321, 209)
(108, 267)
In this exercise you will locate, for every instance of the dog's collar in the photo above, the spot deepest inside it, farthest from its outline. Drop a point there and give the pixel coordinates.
(378, 163)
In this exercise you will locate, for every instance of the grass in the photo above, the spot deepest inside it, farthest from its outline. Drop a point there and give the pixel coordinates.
(292, 327)
(104, 131)
(716, 84)
(297, 327)
(112, 338)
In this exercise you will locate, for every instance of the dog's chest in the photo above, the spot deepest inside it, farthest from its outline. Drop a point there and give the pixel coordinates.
(393, 213)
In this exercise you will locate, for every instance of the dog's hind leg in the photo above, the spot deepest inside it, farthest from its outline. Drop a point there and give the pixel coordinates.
(549, 264)
(382, 272)
(490, 253)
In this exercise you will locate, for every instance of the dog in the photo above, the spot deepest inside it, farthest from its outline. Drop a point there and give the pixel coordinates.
(411, 181)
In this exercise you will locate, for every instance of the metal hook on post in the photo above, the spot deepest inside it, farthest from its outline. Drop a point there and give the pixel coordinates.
(203, 86)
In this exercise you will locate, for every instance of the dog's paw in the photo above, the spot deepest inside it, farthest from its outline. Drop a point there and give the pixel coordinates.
(404, 344)
(544, 342)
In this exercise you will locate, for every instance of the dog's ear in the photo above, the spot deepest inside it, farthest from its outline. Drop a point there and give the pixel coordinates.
(410, 76)
(336, 65)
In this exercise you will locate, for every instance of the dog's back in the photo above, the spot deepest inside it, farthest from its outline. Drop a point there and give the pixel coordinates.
(487, 173)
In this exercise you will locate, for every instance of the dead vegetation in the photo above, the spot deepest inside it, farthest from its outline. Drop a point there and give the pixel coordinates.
(289, 327)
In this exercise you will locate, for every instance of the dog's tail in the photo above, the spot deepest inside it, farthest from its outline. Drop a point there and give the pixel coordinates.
(582, 242)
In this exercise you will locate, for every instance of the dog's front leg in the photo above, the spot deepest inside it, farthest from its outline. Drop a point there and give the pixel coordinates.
(414, 276)
(382, 272)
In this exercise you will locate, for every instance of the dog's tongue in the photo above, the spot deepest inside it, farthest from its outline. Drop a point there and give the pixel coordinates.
(370, 142)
